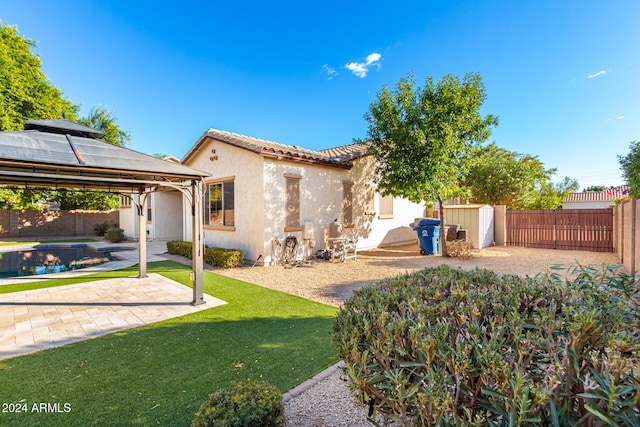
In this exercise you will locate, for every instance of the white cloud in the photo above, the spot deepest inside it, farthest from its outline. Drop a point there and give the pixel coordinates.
(374, 57)
(331, 72)
(598, 74)
(620, 117)
(360, 69)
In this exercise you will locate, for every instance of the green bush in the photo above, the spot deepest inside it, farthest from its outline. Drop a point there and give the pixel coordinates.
(217, 257)
(114, 235)
(101, 229)
(247, 404)
(179, 247)
(225, 258)
(447, 347)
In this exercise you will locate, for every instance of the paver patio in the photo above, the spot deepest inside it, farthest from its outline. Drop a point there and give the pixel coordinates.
(35, 320)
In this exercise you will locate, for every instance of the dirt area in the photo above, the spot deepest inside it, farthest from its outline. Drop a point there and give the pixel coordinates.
(332, 283)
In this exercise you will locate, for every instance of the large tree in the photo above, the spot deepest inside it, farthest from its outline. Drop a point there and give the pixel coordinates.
(102, 119)
(422, 137)
(501, 177)
(27, 94)
(630, 165)
(25, 91)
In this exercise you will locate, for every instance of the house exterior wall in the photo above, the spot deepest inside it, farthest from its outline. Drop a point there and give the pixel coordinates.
(372, 229)
(320, 204)
(260, 204)
(128, 219)
(167, 220)
(246, 169)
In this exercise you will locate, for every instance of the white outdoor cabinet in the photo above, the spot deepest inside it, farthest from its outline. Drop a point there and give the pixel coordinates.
(476, 219)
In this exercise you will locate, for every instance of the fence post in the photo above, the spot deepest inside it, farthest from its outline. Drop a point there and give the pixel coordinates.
(633, 235)
(500, 225)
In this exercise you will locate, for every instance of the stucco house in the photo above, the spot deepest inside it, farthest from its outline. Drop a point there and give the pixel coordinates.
(261, 192)
(595, 199)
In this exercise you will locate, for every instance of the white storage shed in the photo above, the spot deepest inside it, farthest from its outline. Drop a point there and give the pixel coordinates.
(478, 220)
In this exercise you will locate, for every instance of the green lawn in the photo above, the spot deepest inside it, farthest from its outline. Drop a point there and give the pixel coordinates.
(161, 373)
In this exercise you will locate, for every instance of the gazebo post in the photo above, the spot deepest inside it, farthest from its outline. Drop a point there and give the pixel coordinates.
(142, 236)
(197, 245)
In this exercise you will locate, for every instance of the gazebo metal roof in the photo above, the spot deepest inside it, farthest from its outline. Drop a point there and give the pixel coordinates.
(64, 154)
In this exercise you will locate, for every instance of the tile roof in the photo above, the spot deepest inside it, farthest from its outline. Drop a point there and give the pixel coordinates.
(338, 157)
(598, 196)
(346, 152)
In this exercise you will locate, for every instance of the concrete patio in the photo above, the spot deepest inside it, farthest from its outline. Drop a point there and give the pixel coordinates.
(35, 320)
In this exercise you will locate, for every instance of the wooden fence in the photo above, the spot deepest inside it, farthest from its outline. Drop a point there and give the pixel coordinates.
(570, 229)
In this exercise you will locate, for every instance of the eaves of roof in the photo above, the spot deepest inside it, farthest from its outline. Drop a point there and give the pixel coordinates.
(340, 157)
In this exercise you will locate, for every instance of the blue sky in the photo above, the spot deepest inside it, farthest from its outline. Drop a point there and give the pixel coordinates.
(563, 76)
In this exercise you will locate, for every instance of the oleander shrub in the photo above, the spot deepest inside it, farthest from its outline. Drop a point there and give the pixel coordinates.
(243, 404)
(449, 347)
(114, 235)
(218, 257)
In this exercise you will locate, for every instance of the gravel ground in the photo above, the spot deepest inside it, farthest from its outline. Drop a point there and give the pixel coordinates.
(333, 283)
(328, 402)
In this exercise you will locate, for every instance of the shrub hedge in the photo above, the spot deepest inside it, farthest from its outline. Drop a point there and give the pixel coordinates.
(244, 404)
(450, 347)
(114, 235)
(101, 229)
(218, 257)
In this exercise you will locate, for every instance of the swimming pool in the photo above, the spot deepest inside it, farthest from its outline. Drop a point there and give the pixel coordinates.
(45, 259)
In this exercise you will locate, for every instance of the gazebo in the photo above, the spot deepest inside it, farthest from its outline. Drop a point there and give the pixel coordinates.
(64, 154)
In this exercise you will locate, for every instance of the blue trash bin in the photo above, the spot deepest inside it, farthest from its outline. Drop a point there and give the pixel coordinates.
(428, 230)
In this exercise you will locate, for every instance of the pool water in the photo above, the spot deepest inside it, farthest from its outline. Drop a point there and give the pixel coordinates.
(49, 259)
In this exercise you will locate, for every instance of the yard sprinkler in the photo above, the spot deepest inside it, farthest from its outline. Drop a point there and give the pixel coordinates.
(254, 264)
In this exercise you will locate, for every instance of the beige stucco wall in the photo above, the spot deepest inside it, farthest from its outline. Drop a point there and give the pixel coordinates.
(167, 220)
(260, 203)
(246, 168)
(321, 198)
(320, 203)
(128, 219)
(372, 230)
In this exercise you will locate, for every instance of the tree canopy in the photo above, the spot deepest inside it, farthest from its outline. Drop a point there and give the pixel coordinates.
(422, 137)
(25, 91)
(501, 177)
(549, 194)
(27, 94)
(101, 118)
(630, 165)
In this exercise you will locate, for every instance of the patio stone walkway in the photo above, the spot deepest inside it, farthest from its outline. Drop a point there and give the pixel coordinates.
(35, 320)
